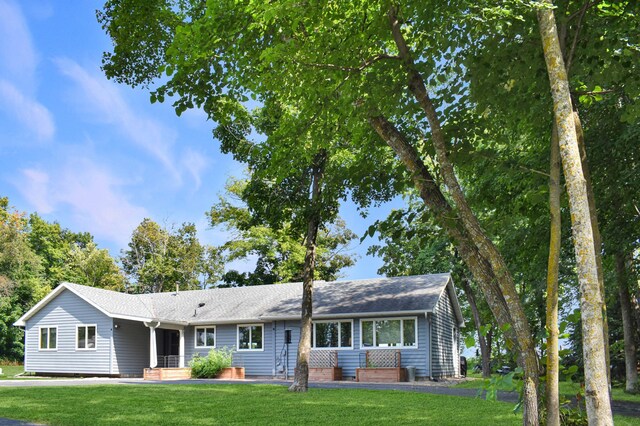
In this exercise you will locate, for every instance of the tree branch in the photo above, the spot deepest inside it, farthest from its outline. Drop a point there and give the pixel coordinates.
(364, 65)
(570, 55)
(599, 92)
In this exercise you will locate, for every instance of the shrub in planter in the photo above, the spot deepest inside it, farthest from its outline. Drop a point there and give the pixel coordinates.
(206, 367)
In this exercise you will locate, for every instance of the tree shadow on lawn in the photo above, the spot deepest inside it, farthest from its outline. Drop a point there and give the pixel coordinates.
(243, 404)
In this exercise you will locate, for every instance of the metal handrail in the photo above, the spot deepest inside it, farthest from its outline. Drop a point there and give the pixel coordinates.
(170, 361)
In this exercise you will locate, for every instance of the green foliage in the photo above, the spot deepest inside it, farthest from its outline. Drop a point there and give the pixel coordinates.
(94, 267)
(501, 382)
(278, 246)
(571, 413)
(320, 69)
(209, 366)
(35, 256)
(158, 259)
(53, 244)
(22, 281)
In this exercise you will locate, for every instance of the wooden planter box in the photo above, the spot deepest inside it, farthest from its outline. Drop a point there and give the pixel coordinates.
(325, 374)
(231, 373)
(167, 373)
(383, 374)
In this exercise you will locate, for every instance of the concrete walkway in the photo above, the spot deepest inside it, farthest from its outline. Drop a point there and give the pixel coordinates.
(624, 408)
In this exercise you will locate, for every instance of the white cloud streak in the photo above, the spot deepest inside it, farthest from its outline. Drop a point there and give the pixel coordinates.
(195, 163)
(17, 55)
(18, 63)
(105, 99)
(31, 114)
(93, 195)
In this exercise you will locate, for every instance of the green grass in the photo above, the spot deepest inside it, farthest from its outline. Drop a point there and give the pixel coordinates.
(566, 388)
(9, 371)
(247, 404)
(243, 404)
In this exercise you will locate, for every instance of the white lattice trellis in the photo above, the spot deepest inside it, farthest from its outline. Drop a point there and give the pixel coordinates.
(383, 358)
(323, 359)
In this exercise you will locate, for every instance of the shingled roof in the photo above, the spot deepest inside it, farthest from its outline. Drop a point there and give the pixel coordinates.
(355, 298)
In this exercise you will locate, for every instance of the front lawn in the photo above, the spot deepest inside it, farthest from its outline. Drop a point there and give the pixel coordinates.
(9, 371)
(566, 388)
(243, 404)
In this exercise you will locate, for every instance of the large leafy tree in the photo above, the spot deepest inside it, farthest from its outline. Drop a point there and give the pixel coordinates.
(21, 278)
(95, 267)
(369, 66)
(160, 259)
(53, 244)
(366, 59)
(279, 250)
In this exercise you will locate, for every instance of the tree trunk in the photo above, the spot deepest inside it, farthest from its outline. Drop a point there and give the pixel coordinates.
(597, 238)
(597, 389)
(524, 343)
(552, 397)
(628, 326)
(484, 350)
(434, 199)
(475, 261)
(301, 377)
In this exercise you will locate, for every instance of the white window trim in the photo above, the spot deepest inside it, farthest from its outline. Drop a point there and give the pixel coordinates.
(86, 326)
(238, 337)
(205, 327)
(374, 347)
(337, 348)
(48, 338)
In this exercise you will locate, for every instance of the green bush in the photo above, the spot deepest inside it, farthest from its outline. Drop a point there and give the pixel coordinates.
(209, 366)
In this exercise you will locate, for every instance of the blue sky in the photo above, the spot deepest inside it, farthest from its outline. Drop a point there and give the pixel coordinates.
(96, 156)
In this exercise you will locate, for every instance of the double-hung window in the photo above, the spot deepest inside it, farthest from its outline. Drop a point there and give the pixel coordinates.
(389, 333)
(333, 334)
(206, 337)
(86, 337)
(250, 337)
(48, 338)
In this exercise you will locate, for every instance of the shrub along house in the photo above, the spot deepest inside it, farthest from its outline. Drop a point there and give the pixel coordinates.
(89, 331)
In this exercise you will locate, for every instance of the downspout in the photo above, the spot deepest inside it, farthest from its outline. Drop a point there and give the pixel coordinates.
(26, 348)
(111, 349)
(429, 345)
(275, 334)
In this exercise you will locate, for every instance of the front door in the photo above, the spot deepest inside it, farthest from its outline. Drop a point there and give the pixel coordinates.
(171, 342)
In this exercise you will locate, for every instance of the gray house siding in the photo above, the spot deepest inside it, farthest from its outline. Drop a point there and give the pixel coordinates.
(256, 363)
(445, 358)
(350, 359)
(124, 350)
(278, 358)
(130, 348)
(66, 312)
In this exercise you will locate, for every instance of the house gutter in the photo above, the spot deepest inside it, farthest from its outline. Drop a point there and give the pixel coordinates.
(348, 315)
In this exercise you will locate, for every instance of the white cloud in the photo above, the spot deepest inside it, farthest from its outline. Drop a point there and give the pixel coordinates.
(195, 163)
(30, 113)
(17, 55)
(104, 98)
(92, 194)
(34, 187)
